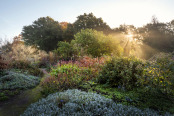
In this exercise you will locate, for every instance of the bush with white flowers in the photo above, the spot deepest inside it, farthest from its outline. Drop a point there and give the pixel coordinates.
(78, 103)
(18, 81)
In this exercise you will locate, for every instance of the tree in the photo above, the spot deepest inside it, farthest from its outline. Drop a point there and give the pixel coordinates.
(95, 43)
(158, 36)
(129, 39)
(68, 33)
(65, 50)
(44, 33)
(64, 25)
(91, 22)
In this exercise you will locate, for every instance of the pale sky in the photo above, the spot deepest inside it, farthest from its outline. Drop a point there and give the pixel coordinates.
(14, 14)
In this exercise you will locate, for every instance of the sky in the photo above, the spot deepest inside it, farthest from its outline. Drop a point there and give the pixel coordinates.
(14, 14)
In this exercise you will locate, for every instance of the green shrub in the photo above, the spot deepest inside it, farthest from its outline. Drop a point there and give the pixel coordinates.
(20, 64)
(122, 72)
(25, 66)
(18, 81)
(159, 74)
(65, 50)
(66, 76)
(95, 43)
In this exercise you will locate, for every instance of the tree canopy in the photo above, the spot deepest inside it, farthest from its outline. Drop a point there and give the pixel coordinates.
(158, 35)
(95, 43)
(91, 22)
(44, 33)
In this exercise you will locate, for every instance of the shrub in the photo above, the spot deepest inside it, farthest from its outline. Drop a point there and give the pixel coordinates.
(19, 51)
(159, 74)
(123, 72)
(6, 94)
(65, 50)
(25, 66)
(3, 65)
(96, 44)
(70, 74)
(18, 81)
(45, 61)
(66, 76)
(89, 62)
(20, 64)
(78, 103)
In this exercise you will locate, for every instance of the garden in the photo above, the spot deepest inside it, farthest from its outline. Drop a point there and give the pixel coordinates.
(91, 74)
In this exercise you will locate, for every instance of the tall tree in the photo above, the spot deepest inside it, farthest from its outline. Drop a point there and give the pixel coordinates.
(64, 25)
(91, 22)
(68, 33)
(158, 36)
(95, 43)
(44, 33)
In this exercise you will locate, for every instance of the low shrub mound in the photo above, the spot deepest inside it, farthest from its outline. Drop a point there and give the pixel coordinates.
(26, 67)
(78, 103)
(122, 72)
(18, 81)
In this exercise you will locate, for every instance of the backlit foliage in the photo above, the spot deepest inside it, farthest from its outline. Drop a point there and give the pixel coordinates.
(20, 51)
(92, 42)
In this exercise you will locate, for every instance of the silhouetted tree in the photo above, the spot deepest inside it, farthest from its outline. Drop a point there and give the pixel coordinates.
(158, 36)
(44, 33)
(68, 34)
(91, 22)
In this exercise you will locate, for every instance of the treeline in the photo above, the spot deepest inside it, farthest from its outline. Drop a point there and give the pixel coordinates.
(48, 34)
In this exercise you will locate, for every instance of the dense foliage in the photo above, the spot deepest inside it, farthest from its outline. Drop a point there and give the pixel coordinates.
(95, 43)
(89, 21)
(156, 75)
(44, 33)
(68, 33)
(122, 72)
(159, 74)
(70, 74)
(26, 67)
(65, 50)
(75, 102)
(158, 35)
(136, 97)
(18, 81)
(19, 51)
(64, 77)
(87, 59)
(3, 65)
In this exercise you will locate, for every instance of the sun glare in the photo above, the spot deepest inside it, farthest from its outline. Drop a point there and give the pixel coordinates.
(130, 37)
